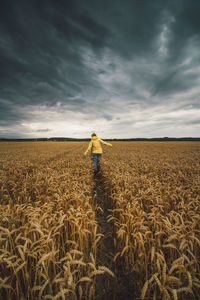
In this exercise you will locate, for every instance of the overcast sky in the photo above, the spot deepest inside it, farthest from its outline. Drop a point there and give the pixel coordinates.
(119, 68)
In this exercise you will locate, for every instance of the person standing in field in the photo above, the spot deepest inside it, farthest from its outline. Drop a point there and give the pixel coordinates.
(96, 150)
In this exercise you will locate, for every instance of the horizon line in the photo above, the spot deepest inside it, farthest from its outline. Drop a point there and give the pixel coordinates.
(88, 138)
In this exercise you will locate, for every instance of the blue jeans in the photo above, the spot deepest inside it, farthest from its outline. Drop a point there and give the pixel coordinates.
(96, 157)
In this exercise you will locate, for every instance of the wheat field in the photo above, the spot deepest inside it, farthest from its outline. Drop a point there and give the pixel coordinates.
(50, 233)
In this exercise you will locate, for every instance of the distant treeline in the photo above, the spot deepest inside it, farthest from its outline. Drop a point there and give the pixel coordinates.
(63, 139)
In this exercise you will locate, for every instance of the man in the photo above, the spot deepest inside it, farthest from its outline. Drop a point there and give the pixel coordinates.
(96, 150)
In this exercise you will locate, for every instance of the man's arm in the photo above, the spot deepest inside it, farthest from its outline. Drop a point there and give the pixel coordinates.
(105, 143)
(89, 148)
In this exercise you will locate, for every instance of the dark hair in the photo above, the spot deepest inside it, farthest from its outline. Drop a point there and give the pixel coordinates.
(93, 134)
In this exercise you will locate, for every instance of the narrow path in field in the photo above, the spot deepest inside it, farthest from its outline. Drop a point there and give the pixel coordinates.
(105, 248)
(107, 287)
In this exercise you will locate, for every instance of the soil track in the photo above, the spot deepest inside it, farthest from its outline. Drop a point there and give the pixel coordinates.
(107, 287)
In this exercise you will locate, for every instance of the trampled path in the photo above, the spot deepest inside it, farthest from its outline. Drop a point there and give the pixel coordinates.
(107, 287)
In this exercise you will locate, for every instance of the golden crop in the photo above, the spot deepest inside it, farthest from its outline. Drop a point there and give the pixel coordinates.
(52, 234)
(154, 193)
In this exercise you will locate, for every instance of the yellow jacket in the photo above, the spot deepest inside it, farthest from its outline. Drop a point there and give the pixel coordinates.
(95, 144)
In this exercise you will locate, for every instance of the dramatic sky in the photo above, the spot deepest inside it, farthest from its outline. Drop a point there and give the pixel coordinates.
(128, 68)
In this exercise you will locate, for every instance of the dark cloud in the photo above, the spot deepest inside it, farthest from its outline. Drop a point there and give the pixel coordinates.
(108, 117)
(194, 122)
(43, 130)
(40, 60)
(8, 113)
(101, 59)
(175, 81)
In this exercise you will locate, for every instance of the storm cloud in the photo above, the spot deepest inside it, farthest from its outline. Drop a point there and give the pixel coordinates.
(120, 68)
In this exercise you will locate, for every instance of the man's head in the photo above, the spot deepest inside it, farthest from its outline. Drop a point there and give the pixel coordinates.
(93, 134)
